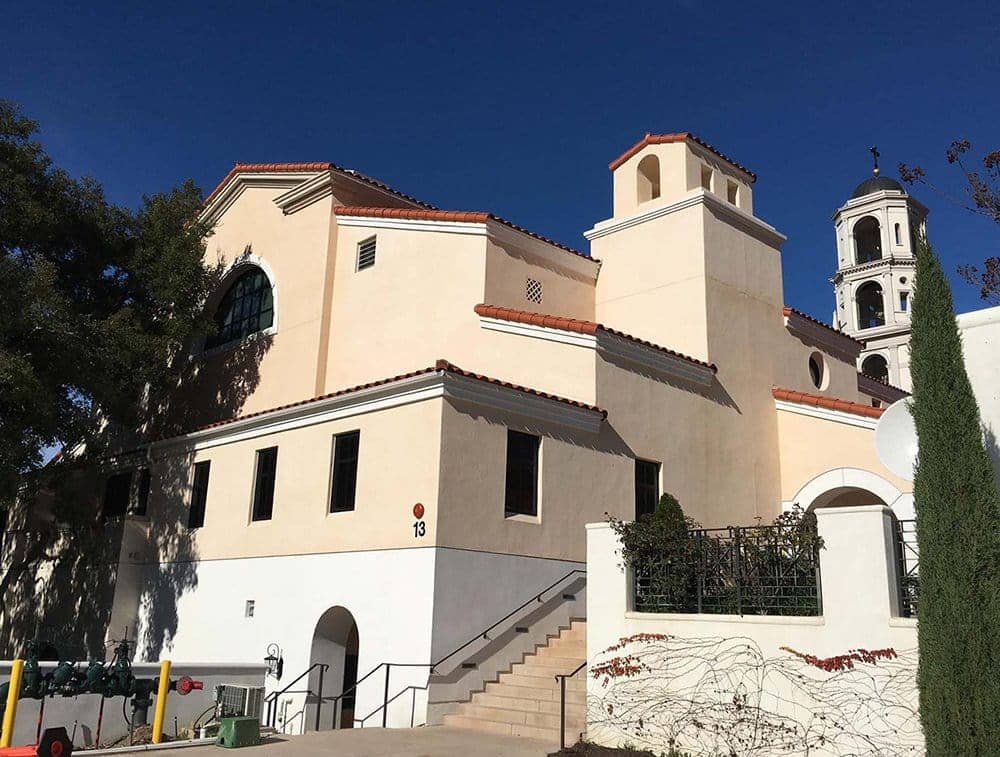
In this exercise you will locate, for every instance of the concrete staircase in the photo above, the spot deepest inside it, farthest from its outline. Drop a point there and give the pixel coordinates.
(525, 701)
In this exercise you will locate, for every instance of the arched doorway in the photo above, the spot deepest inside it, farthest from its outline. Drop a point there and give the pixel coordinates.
(335, 643)
(847, 487)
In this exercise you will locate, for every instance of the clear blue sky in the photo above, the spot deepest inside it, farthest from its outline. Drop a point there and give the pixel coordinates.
(518, 108)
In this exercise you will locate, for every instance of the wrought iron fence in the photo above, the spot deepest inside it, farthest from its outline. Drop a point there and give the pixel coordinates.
(907, 567)
(754, 570)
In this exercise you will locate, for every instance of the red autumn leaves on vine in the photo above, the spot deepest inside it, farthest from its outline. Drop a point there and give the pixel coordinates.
(844, 661)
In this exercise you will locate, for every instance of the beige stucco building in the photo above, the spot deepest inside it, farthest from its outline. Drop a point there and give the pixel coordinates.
(409, 414)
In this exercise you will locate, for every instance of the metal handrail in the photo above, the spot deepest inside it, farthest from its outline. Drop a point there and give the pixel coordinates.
(413, 687)
(385, 697)
(537, 597)
(562, 702)
(271, 699)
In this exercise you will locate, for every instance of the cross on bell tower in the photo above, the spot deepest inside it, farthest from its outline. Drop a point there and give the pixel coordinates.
(876, 231)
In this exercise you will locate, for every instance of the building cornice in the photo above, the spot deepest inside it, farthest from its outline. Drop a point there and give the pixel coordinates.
(445, 381)
(889, 262)
(574, 264)
(609, 344)
(822, 413)
(230, 191)
(753, 225)
(881, 197)
(880, 390)
(819, 334)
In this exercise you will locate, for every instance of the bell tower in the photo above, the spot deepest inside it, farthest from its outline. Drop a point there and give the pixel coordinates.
(877, 231)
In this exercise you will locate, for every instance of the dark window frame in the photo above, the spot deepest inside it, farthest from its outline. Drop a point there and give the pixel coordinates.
(344, 472)
(199, 493)
(643, 503)
(142, 492)
(521, 474)
(246, 308)
(265, 475)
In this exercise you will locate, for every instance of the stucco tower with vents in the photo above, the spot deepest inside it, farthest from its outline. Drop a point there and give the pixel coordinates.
(877, 231)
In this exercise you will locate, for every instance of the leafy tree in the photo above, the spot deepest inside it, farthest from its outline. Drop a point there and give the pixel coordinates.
(98, 301)
(958, 528)
(983, 191)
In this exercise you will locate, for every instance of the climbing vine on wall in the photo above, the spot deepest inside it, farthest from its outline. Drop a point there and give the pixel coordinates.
(723, 696)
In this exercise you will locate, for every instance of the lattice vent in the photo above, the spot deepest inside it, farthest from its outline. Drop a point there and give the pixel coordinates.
(533, 291)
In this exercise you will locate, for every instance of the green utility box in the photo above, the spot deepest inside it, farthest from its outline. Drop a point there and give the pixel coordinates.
(237, 732)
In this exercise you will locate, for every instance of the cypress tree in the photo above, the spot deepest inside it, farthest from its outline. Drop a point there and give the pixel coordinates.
(958, 531)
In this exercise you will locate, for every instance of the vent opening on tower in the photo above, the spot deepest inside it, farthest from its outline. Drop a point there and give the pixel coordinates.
(648, 179)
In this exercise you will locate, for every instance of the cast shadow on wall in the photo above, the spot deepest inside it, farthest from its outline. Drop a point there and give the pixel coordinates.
(64, 558)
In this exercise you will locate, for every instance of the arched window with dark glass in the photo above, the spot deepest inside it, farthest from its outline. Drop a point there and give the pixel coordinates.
(871, 309)
(246, 308)
(867, 240)
(875, 366)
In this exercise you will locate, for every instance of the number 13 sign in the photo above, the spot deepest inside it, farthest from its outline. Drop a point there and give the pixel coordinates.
(419, 527)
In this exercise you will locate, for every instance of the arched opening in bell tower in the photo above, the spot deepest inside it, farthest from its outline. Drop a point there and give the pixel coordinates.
(867, 240)
(876, 367)
(871, 307)
(647, 178)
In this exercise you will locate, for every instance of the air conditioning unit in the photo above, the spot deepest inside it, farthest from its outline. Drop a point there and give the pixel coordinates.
(232, 700)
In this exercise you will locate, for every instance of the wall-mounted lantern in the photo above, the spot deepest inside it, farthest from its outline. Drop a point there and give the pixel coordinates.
(274, 661)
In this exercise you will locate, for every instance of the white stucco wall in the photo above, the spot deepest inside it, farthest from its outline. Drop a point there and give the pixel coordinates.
(712, 660)
(411, 606)
(980, 332)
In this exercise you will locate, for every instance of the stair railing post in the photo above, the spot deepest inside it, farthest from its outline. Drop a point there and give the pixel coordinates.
(562, 712)
(385, 696)
(319, 696)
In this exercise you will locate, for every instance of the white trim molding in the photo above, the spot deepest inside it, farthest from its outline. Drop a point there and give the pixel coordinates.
(237, 184)
(431, 385)
(836, 416)
(610, 345)
(848, 478)
(753, 225)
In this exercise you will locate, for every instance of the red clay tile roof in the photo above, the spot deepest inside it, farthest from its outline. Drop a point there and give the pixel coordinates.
(305, 168)
(456, 216)
(886, 384)
(440, 365)
(787, 311)
(662, 139)
(829, 403)
(572, 324)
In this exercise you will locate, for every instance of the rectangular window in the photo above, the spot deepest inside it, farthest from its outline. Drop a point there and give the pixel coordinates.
(263, 488)
(366, 253)
(344, 481)
(647, 487)
(904, 301)
(117, 491)
(248, 608)
(142, 496)
(521, 497)
(199, 494)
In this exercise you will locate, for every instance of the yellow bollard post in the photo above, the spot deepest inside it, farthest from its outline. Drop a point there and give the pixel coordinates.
(161, 701)
(12, 695)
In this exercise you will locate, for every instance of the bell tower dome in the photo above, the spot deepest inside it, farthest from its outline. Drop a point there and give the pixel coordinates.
(877, 231)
